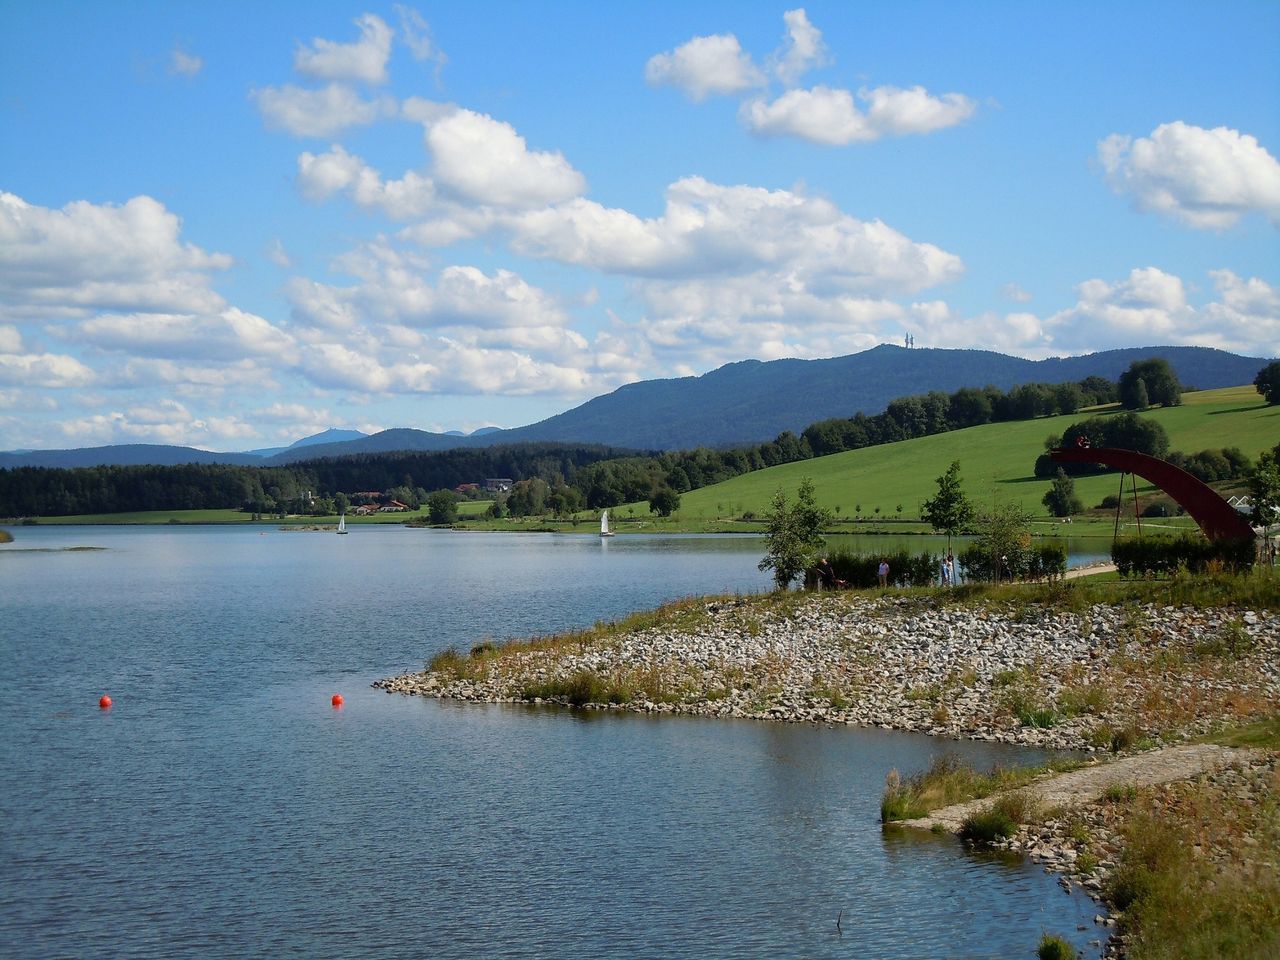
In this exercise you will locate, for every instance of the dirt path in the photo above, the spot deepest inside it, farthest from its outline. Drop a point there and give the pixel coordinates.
(1089, 783)
(1089, 571)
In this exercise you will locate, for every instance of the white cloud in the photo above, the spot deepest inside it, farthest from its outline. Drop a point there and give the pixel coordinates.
(189, 378)
(830, 116)
(417, 36)
(319, 113)
(320, 176)
(1151, 307)
(184, 64)
(1246, 319)
(935, 324)
(484, 160)
(895, 112)
(43, 370)
(83, 257)
(291, 413)
(278, 255)
(1013, 291)
(227, 335)
(166, 421)
(364, 60)
(802, 51)
(710, 230)
(10, 339)
(705, 66)
(1204, 178)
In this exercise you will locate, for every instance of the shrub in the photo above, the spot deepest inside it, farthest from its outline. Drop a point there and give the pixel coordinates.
(1164, 555)
(1000, 820)
(1158, 509)
(1055, 948)
(860, 570)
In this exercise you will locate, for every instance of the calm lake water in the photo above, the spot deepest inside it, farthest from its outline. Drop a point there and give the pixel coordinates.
(223, 808)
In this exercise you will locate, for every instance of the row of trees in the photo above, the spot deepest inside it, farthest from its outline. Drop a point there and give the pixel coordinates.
(314, 486)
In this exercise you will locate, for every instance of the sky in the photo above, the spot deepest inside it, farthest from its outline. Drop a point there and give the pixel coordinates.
(232, 225)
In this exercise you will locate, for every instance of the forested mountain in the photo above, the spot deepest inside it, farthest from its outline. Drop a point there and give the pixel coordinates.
(739, 404)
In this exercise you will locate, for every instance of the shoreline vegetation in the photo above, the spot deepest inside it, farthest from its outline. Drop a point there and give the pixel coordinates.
(1116, 669)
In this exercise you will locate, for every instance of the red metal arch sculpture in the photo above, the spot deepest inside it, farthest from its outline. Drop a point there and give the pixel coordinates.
(1217, 518)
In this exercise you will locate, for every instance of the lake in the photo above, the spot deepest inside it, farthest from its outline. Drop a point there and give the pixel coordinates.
(221, 807)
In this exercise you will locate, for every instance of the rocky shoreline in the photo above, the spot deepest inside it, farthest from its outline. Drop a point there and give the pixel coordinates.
(1107, 677)
(1101, 678)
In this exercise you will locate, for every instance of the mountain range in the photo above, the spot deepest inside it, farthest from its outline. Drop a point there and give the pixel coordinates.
(738, 404)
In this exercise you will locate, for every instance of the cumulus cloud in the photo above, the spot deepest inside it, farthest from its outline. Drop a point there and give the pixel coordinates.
(164, 421)
(712, 230)
(10, 339)
(1207, 179)
(86, 256)
(227, 335)
(820, 114)
(484, 160)
(830, 116)
(934, 324)
(801, 51)
(476, 163)
(704, 66)
(1151, 306)
(1013, 291)
(363, 60)
(319, 113)
(43, 370)
(184, 64)
(187, 377)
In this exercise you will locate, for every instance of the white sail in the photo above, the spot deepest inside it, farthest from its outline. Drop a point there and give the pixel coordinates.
(342, 523)
(604, 525)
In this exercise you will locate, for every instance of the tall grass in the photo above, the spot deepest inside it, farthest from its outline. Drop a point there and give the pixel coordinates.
(949, 781)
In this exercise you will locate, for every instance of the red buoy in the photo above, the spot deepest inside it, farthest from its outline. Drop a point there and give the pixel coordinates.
(104, 702)
(337, 700)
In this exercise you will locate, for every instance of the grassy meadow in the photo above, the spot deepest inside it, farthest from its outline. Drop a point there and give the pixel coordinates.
(996, 462)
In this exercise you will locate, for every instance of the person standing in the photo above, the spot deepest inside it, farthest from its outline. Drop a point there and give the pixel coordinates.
(884, 573)
(945, 572)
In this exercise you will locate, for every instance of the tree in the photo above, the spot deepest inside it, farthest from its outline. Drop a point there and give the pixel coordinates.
(1157, 377)
(1264, 489)
(1061, 498)
(664, 501)
(1268, 382)
(1004, 535)
(442, 506)
(950, 510)
(1140, 398)
(793, 534)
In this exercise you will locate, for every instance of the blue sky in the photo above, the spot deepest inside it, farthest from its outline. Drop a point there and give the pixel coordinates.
(230, 225)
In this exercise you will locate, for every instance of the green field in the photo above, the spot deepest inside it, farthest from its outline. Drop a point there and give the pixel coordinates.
(996, 462)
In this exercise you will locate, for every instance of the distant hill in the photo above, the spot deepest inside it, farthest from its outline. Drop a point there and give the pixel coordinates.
(331, 435)
(751, 401)
(742, 403)
(124, 455)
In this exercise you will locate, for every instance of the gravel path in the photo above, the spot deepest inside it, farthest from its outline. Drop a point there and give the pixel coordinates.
(1088, 784)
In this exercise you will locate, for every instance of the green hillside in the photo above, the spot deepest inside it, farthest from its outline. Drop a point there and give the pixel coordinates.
(996, 462)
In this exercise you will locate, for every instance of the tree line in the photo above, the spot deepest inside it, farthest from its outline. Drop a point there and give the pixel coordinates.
(313, 486)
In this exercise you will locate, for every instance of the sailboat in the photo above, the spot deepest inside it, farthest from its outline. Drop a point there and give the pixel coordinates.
(604, 525)
(342, 523)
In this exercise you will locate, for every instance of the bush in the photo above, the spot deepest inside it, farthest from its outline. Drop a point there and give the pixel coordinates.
(1045, 561)
(1055, 948)
(999, 821)
(1158, 509)
(859, 570)
(1163, 556)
